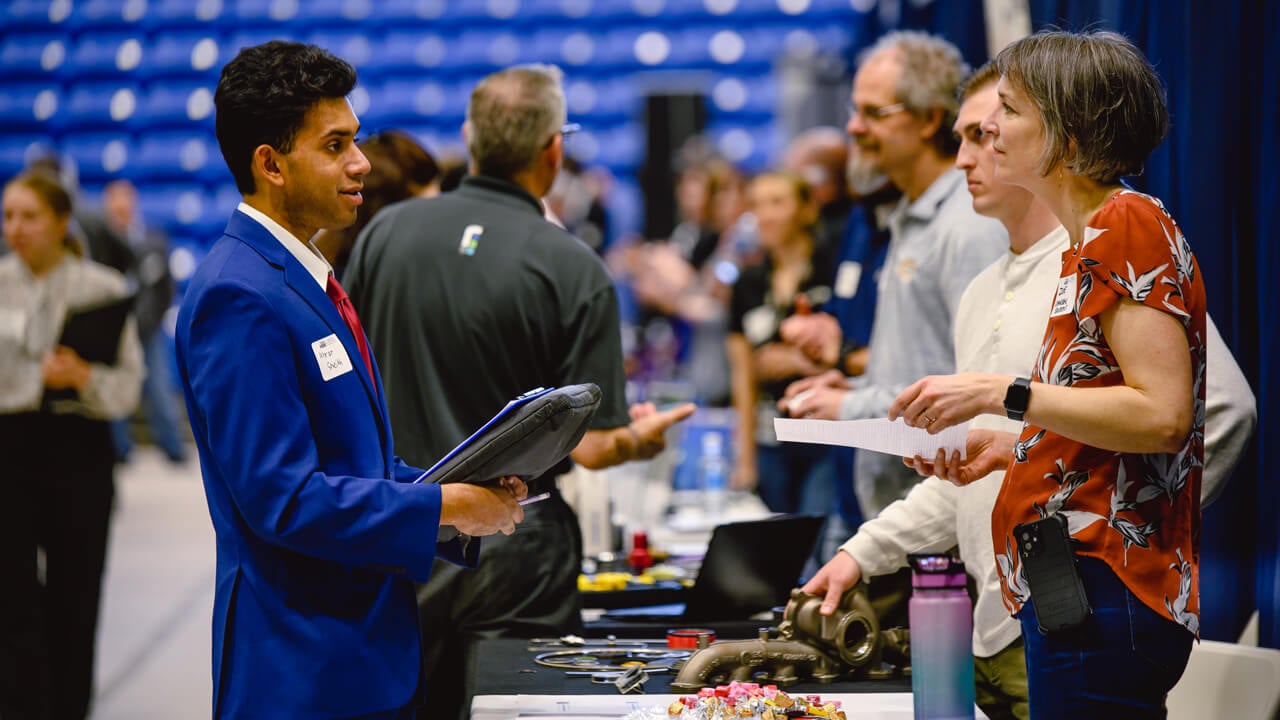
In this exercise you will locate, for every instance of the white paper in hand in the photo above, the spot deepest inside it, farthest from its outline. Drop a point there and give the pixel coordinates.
(881, 435)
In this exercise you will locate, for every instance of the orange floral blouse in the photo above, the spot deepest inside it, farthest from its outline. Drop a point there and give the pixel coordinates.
(1138, 513)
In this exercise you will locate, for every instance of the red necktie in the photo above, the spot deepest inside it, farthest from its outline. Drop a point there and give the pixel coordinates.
(348, 313)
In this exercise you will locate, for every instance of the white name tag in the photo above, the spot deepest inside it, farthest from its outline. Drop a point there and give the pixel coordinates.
(331, 357)
(13, 323)
(759, 324)
(1065, 300)
(847, 278)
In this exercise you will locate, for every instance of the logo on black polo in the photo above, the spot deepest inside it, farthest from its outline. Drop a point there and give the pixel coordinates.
(470, 240)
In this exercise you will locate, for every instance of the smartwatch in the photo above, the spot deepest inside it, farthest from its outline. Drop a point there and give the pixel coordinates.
(1016, 398)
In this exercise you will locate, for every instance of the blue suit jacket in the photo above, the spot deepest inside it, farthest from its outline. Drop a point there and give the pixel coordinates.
(319, 529)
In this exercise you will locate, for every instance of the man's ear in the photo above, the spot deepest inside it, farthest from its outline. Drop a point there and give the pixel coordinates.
(466, 133)
(931, 125)
(267, 165)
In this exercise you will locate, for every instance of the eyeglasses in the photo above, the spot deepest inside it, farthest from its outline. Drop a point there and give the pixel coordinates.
(871, 113)
(566, 130)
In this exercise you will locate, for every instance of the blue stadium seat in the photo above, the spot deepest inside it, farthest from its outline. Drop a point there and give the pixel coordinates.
(558, 11)
(485, 50)
(178, 156)
(733, 96)
(631, 47)
(593, 100)
(617, 147)
(751, 147)
(243, 38)
(571, 48)
(411, 14)
(410, 50)
(185, 253)
(178, 104)
(188, 209)
(16, 151)
(353, 14)
(116, 55)
(39, 15)
(33, 56)
(31, 106)
(206, 15)
(97, 15)
(100, 157)
(282, 14)
(353, 44)
(415, 100)
(187, 54)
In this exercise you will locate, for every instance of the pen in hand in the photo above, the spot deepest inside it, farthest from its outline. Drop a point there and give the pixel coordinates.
(535, 498)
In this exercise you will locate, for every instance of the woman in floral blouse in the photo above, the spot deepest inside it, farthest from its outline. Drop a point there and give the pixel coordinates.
(1113, 439)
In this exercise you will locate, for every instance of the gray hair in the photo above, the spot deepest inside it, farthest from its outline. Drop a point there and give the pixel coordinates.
(512, 115)
(1101, 102)
(932, 70)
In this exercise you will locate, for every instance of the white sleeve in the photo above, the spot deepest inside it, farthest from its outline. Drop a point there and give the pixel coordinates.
(923, 521)
(1230, 415)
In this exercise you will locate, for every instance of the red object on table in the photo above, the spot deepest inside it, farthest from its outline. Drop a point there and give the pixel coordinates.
(639, 559)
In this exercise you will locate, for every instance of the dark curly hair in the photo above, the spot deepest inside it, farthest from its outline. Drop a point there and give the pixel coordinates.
(264, 95)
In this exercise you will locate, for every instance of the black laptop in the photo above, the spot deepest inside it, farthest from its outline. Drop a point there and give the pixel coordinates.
(749, 567)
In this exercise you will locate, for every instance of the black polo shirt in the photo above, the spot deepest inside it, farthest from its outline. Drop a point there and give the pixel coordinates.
(471, 298)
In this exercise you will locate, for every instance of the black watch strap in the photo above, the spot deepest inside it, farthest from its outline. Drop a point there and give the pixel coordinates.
(1016, 398)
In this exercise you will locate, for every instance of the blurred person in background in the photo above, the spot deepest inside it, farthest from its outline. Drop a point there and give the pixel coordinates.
(838, 336)
(902, 109)
(150, 247)
(399, 168)
(820, 156)
(684, 283)
(58, 455)
(475, 294)
(576, 200)
(792, 477)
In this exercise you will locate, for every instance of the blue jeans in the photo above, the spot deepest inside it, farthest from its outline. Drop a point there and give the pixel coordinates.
(796, 478)
(1121, 663)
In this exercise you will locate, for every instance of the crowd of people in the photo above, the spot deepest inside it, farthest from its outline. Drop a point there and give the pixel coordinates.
(966, 249)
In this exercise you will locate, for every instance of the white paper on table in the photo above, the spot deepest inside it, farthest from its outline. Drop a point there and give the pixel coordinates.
(894, 437)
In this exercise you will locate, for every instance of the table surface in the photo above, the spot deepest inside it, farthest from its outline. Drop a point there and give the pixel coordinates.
(505, 666)
(863, 706)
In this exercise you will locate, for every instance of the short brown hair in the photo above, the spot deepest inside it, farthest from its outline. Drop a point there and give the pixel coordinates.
(511, 115)
(1102, 104)
(980, 78)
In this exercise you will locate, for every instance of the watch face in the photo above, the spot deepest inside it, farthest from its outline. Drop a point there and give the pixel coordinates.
(1017, 397)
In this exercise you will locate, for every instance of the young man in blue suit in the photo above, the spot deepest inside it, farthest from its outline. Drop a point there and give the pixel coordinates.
(320, 530)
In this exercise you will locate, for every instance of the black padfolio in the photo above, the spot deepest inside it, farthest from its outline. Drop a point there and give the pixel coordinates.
(527, 438)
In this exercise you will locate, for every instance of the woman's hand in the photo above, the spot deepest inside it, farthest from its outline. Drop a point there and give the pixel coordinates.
(986, 451)
(64, 369)
(937, 402)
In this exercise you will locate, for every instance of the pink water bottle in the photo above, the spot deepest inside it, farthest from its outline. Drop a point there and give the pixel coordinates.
(941, 618)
